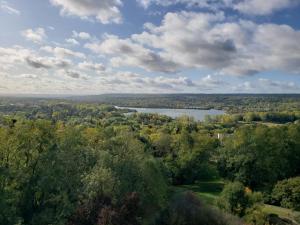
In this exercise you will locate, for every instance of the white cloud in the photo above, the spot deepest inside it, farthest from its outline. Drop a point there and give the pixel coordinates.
(105, 11)
(81, 35)
(73, 74)
(283, 85)
(72, 41)
(62, 52)
(11, 57)
(97, 67)
(205, 40)
(263, 85)
(39, 62)
(259, 7)
(250, 7)
(29, 76)
(211, 4)
(133, 82)
(211, 82)
(4, 6)
(125, 52)
(37, 36)
(47, 62)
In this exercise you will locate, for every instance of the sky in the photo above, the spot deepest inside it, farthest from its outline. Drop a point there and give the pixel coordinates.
(84, 47)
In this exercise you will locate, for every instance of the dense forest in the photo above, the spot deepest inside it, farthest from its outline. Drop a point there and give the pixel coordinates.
(83, 162)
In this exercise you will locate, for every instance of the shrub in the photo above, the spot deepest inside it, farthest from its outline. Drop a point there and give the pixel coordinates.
(286, 193)
(256, 216)
(102, 211)
(234, 199)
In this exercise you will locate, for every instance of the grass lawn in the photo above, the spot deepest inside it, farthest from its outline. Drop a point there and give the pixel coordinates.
(206, 191)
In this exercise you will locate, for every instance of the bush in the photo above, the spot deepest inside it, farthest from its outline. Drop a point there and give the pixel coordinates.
(286, 193)
(234, 199)
(255, 215)
(102, 211)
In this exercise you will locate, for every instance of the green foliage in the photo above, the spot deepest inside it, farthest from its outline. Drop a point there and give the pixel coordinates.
(249, 117)
(46, 169)
(234, 199)
(256, 216)
(193, 160)
(258, 156)
(43, 171)
(239, 200)
(121, 167)
(61, 160)
(286, 193)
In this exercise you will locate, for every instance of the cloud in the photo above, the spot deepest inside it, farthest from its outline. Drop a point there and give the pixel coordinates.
(47, 62)
(250, 7)
(189, 3)
(104, 11)
(72, 41)
(133, 82)
(29, 76)
(38, 63)
(19, 56)
(81, 35)
(12, 57)
(97, 67)
(263, 85)
(4, 6)
(207, 40)
(62, 52)
(258, 7)
(73, 74)
(283, 85)
(125, 52)
(37, 36)
(211, 82)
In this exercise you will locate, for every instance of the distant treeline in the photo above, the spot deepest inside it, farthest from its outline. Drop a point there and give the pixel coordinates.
(228, 102)
(274, 117)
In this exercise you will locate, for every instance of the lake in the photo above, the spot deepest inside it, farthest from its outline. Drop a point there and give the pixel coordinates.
(174, 113)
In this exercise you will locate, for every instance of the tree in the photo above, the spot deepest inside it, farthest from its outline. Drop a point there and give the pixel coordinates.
(194, 159)
(234, 199)
(121, 167)
(258, 156)
(43, 172)
(286, 193)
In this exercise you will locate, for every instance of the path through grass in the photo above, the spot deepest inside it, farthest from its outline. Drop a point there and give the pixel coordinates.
(206, 191)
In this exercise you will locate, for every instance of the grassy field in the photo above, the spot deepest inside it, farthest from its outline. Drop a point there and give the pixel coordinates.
(206, 191)
(210, 191)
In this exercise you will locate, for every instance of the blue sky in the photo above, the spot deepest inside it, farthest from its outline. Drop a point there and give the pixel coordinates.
(149, 46)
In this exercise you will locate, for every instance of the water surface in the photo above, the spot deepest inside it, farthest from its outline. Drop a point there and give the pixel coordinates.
(198, 114)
